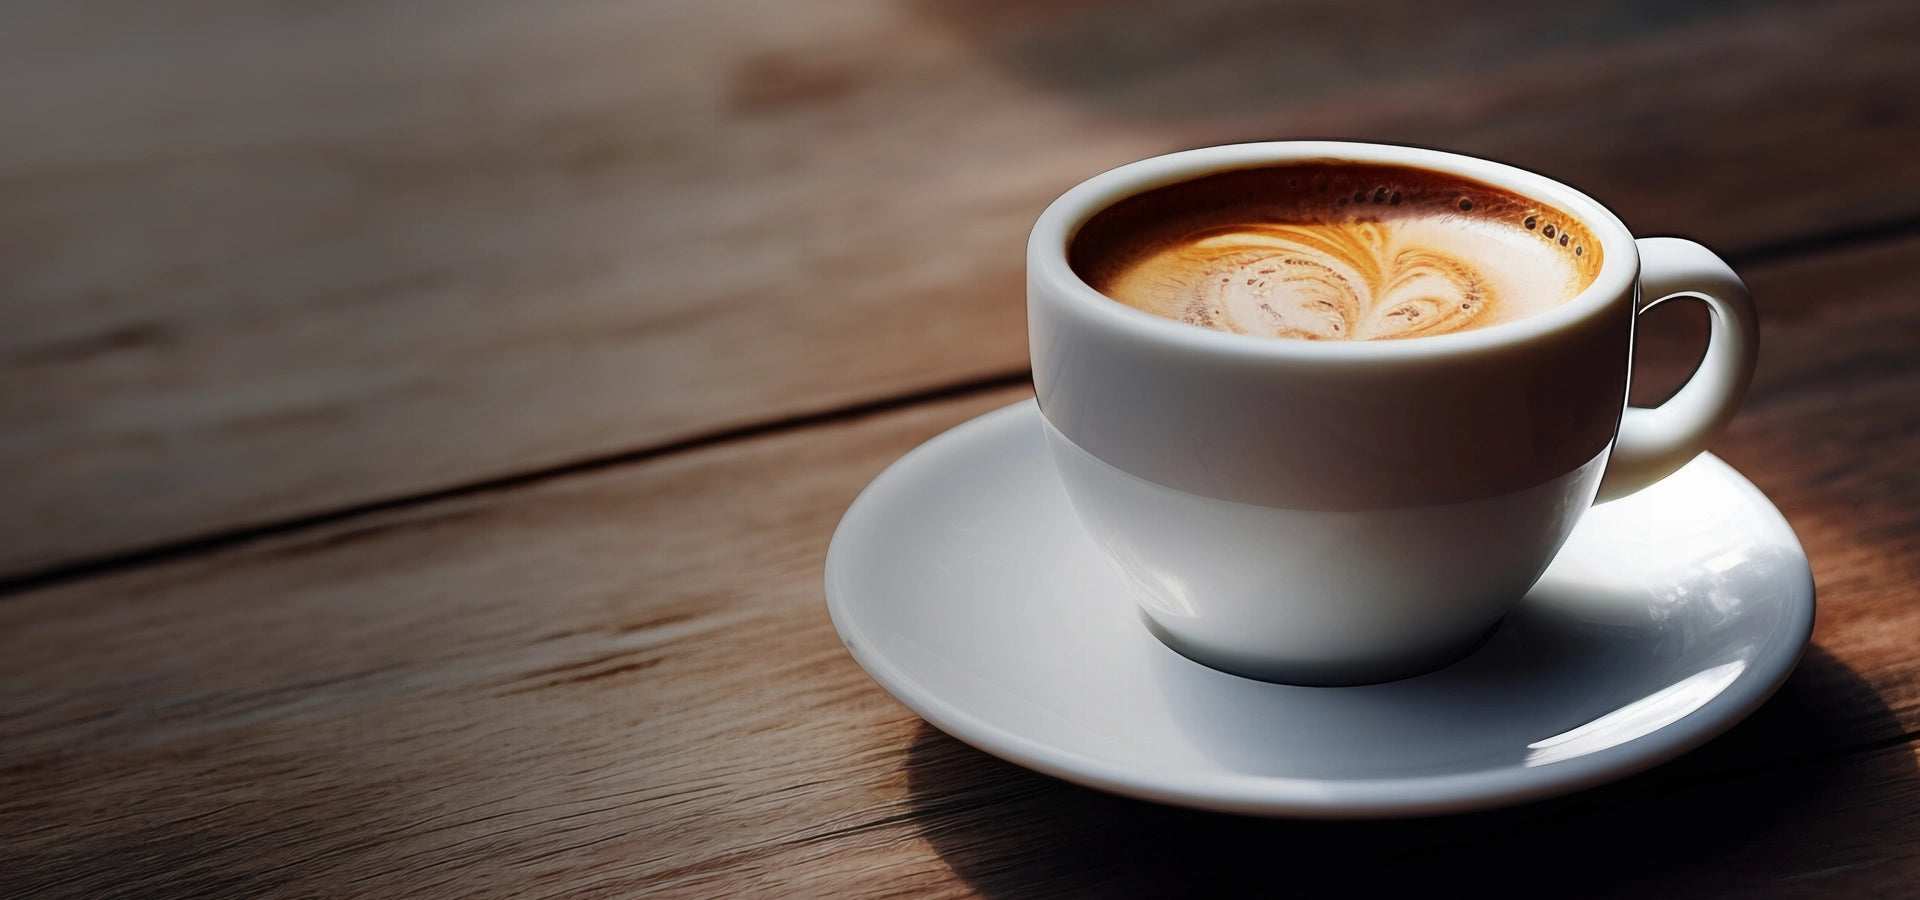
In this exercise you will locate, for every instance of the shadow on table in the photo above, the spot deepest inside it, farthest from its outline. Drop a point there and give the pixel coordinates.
(1779, 803)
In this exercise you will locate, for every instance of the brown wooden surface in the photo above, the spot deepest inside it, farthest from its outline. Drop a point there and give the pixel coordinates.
(490, 379)
(266, 264)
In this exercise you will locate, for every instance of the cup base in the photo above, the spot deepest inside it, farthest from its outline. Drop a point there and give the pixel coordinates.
(1323, 673)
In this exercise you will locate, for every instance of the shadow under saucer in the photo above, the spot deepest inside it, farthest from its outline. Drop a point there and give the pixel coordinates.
(1807, 796)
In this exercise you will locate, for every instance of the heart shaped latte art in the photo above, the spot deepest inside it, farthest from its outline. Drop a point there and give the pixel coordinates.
(1347, 282)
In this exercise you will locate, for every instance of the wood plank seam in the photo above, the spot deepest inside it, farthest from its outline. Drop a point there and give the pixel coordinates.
(1829, 241)
(1807, 245)
(86, 568)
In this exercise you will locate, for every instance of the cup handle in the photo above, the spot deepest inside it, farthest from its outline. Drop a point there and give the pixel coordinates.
(1654, 443)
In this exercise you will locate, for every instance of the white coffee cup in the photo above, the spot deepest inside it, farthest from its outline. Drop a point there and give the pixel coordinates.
(1353, 512)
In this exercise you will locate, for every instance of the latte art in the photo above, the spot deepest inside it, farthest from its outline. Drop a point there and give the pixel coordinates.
(1302, 254)
(1357, 281)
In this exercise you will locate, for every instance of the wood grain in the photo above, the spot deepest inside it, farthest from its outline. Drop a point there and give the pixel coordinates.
(608, 681)
(263, 262)
(624, 681)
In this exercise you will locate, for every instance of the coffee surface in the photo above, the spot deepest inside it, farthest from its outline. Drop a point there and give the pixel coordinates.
(1336, 251)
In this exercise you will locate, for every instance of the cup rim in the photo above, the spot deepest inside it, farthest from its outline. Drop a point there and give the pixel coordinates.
(1062, 219)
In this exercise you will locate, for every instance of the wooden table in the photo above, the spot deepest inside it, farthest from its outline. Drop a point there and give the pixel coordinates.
(421, 426)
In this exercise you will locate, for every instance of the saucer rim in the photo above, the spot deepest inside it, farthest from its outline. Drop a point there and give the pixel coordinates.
(1306, 797)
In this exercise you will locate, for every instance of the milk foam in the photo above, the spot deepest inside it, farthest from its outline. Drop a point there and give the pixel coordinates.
(1365, 280)
(1301, 253)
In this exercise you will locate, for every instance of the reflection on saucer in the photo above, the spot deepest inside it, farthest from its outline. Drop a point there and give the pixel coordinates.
(1637, 719)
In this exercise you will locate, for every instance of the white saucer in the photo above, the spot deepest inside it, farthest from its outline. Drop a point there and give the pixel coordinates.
(962, 583)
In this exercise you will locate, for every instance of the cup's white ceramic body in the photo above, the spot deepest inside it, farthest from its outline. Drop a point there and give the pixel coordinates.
(1341, 513)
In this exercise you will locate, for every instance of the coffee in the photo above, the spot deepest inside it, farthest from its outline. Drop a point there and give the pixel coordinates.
(1336, 251)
